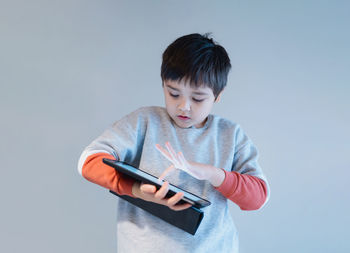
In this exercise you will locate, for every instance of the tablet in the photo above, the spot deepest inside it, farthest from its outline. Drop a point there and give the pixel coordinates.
(145, 177)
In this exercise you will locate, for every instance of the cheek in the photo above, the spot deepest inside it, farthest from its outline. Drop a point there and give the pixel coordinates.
(205, 109)
(167, 99)
(170, 105)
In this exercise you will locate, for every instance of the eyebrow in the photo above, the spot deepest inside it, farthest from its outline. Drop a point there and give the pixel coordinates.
(196, 92)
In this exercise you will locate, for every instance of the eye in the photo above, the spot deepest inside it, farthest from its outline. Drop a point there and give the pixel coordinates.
(198, 100)
(173, 95)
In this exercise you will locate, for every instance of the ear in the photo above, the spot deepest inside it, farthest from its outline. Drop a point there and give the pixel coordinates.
(218, 97)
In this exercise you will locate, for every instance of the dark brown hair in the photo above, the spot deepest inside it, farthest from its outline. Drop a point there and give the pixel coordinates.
(198, 59)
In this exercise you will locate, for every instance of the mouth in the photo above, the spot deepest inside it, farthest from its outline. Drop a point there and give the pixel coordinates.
(183, 118)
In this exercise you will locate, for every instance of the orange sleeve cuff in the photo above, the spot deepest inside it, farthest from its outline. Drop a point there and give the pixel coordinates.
(102, 174)
(248, 192)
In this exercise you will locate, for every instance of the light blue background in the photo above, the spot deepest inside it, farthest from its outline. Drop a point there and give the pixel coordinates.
(69, 69)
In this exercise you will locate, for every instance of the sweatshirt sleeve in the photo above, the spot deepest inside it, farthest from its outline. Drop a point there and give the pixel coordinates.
(100, 173)
(245, 184)
(122, 141)
(248, 192)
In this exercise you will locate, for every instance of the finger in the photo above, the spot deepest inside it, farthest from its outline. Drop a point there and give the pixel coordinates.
(170, 149)
(148, 188)
(161, 193)
(180, 207)
(165, 153)
(173, 154)
(175, 199)
(184, 164)
(166, 172)
(182, 158)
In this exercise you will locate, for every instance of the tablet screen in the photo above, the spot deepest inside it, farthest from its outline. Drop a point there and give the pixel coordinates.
(145, 177)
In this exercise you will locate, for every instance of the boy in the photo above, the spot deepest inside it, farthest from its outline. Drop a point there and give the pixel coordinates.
(217, 161)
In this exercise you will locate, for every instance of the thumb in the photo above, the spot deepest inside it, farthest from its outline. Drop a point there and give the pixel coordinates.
(148, 188)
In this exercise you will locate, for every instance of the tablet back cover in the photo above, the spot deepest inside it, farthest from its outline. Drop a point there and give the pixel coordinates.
(187, 220)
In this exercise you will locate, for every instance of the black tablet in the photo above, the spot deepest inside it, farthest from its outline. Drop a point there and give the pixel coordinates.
(145, 177)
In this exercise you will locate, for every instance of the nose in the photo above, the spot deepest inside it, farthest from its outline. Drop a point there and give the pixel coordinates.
(185, 105)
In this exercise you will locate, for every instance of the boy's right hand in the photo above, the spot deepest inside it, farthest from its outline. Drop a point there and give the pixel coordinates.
(149, 192)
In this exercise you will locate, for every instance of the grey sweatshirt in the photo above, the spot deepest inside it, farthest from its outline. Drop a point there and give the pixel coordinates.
(219, 142)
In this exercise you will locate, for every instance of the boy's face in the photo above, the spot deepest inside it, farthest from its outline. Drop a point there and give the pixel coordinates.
(188, 106)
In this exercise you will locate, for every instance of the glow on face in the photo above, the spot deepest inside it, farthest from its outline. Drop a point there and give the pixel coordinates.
(188, 106)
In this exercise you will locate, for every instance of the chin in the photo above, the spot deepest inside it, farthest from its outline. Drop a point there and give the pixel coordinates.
(182, 124)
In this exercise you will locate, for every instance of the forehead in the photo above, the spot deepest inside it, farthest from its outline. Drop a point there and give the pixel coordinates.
(185, 86)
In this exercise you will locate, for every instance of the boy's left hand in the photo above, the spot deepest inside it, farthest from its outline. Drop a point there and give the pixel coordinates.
(197, 170)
